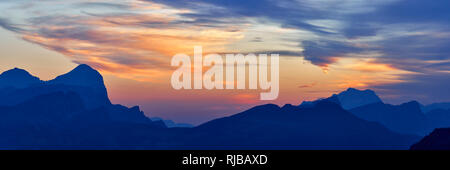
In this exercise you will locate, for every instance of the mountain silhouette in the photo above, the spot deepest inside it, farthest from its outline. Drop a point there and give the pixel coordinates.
(17, 78)
(87, 82)
(171, 124)
(405, 118)
(439, 139)
(73, 111)
(83, 80)
(60, 120)
(83, 75)
(434, 106)
(324, 126)
(438, 118)
(309, 104)
(350, 98)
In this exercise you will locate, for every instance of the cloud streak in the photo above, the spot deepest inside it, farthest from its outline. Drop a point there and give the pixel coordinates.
(129, 43)
(6, 24)
(136, 38)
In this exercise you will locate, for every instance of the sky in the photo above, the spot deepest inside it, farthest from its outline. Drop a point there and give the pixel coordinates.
(399, 48)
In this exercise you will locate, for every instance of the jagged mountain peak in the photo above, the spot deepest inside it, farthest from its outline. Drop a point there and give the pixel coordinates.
(354, 90)
(349, 99)
(352, 98)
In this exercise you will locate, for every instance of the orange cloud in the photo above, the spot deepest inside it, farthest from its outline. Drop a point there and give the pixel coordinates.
(365, 73)
(370, 65)
(245, 98)
(134, 46)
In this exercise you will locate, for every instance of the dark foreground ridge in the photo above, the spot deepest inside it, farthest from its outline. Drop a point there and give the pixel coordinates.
(439, 139)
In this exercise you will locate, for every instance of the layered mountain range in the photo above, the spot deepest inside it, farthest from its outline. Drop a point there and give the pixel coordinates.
(73, 111)
(406, 118)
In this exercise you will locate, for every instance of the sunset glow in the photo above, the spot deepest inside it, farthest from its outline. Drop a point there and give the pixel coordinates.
(323, 50)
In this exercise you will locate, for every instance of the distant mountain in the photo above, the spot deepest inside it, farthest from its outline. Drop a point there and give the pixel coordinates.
(405, 118)
(308, 104)
(439, 118)
(172, 124)
(82, 87)
(83, 75)
(57, 116)
(87, 82)
(83, 80)
(73, 112)
(434, 106)
(439, 139)
(323, 126)
(17, 78)
(351, 98)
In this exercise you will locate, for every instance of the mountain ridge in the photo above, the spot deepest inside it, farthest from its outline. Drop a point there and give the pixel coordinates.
(323, 126)
(82, 79)
(74, 110)
(82, 75)
(350, 98)
(405, 118)
(17, 78)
